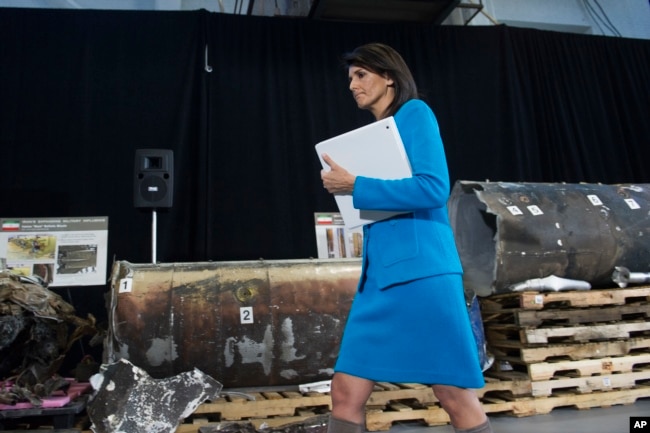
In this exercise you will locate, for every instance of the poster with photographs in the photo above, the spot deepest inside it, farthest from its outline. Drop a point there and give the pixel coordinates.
(334, 240)
(61, 251)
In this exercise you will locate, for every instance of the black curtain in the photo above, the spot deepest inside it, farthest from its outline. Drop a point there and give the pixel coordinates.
(81, 90)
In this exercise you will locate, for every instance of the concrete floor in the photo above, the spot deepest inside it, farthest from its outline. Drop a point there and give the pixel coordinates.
(614, 419)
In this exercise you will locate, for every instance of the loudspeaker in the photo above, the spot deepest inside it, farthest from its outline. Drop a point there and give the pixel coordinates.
(154, 178)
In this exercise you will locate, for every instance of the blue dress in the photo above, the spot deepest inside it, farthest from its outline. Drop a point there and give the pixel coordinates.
(409, 321)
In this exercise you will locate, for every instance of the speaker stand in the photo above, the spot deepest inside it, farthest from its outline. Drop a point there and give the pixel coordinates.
(154, 222)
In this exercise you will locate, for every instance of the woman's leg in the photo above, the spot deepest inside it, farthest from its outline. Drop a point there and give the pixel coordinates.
(464, 409)
(349, 397)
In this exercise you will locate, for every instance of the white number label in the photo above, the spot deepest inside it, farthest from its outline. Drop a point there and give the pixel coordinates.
(595, 200)
(246, 314)
(125, 285)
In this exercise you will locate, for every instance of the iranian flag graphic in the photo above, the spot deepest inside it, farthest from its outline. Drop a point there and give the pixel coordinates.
(10, 226)
(324, 219)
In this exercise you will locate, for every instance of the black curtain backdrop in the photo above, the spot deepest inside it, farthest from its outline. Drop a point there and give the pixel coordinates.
(80, 91)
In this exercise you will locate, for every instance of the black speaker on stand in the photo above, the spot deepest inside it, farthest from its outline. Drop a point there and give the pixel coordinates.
(153, 186)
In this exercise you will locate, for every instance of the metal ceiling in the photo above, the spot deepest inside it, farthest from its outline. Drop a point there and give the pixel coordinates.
(424, 11)
(428, 11)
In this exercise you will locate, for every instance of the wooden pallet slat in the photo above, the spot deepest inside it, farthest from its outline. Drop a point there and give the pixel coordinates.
(240, 408)
(422, 395)
(382, 420)
(516, 384)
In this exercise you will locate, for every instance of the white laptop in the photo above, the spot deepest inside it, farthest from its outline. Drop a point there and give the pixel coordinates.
(374, 150)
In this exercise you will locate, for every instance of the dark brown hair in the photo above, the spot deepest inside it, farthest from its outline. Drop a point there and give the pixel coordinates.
(382, 59)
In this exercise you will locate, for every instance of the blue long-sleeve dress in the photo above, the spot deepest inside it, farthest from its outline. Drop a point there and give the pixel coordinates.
(409, 321)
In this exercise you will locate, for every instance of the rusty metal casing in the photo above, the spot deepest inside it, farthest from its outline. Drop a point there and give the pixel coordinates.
(507, 233)
(248, 323)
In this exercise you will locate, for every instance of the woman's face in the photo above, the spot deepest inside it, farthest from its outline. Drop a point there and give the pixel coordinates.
(372, 91)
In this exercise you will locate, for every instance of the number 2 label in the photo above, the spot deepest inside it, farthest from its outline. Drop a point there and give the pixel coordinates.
(246, 315)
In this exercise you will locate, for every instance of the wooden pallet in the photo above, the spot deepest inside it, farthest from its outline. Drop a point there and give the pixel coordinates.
(515, 352)
(584, 385)
(587, 367)
(558, 334)
(274, 408)
(568, 316)
(570, 380)
(576, 299)
(520, 407)
(434, 415)
(376, 419)
(267, 404)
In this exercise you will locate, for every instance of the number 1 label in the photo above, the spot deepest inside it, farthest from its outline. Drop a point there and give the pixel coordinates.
(125, 285)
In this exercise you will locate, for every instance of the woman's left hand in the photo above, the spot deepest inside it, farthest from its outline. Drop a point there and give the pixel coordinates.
(337, 180)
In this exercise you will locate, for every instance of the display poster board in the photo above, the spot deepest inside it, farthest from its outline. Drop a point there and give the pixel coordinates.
(62, 251)
(334, 240)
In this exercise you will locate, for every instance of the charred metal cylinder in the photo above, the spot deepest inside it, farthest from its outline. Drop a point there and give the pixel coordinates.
(249, 323)
(507, 233)
(246, 324)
